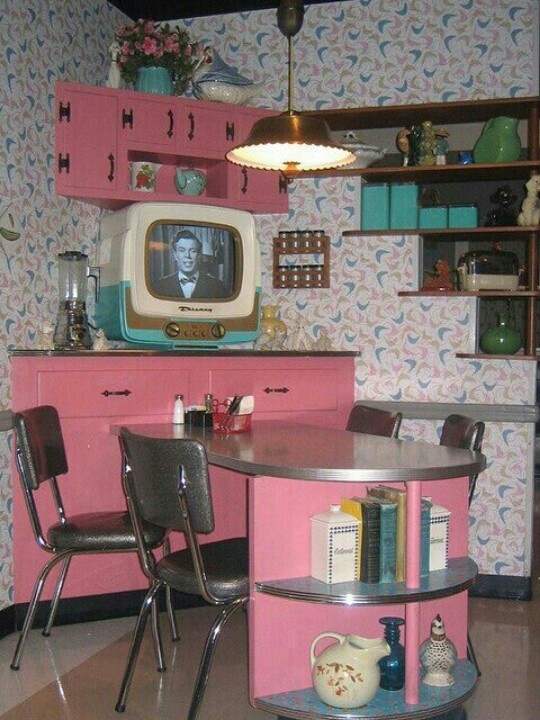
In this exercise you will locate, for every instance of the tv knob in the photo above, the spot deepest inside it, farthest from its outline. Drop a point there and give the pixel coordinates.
(218, 331)
(172, 329)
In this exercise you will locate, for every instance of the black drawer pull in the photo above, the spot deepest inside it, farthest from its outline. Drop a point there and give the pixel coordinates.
(283, 390)
(108, 393)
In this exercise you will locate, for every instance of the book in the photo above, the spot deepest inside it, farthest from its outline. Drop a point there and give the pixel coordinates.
(388, 526)
(399, 496)
(371, 539)
(353, 507)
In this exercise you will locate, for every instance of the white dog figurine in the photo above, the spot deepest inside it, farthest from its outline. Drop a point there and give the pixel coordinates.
(530, 208)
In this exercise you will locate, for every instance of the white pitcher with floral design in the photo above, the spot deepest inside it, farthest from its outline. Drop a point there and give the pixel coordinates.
(347, 675)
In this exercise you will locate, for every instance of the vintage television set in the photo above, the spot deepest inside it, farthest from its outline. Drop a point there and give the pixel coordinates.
(141, 299)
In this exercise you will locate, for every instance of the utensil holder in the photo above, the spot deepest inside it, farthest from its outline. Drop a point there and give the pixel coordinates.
(226, 424)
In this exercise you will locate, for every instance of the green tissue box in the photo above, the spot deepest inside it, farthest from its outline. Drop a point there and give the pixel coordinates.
(375, 207)
(403, 206)
(433, 217)
(461, 216)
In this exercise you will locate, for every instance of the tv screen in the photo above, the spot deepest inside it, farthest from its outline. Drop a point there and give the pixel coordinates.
(198, 261)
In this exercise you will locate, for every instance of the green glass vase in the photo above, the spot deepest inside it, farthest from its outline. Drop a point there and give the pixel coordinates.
(500, 340)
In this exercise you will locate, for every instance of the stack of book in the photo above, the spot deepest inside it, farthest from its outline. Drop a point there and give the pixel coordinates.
(382, 541)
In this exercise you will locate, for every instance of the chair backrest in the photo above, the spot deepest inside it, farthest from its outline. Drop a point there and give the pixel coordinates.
(41, 454)
(374, 421)
(461, 431)
(155, 467)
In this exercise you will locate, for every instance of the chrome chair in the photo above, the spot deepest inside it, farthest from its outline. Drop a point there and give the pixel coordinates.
(461, 431)
(167, 484)
(41, 460)
(373, 421)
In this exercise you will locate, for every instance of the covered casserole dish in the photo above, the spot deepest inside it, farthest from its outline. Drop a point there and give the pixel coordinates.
(488, 270)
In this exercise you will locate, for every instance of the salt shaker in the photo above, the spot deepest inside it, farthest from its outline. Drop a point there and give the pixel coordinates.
(178, 411)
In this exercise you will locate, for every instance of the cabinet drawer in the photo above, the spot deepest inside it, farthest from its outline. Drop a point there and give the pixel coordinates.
(93, 393)
(280, 390)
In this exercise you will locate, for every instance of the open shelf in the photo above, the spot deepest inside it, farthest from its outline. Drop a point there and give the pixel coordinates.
(433, 701)
(459, 576)
(508, 233)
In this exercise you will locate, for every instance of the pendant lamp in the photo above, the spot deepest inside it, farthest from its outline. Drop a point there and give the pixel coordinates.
(290, 142)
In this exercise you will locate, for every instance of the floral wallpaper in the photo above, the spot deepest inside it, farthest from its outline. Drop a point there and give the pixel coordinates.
(358, 52)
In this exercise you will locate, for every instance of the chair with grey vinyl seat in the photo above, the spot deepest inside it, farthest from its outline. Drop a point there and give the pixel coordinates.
(166, 483)
(374, 421)
(461, 431)
(41, 460)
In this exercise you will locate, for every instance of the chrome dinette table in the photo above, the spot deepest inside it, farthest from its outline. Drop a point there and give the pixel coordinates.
(295, 470)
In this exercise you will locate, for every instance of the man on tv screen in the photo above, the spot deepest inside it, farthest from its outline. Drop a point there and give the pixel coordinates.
(190, 281)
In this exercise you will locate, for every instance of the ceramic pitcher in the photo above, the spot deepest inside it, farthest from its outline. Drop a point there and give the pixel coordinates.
(190, 181)
(144, 176)
(347, 674)
(499, 141)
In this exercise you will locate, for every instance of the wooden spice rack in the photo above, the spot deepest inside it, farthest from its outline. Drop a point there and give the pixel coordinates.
(301, 260)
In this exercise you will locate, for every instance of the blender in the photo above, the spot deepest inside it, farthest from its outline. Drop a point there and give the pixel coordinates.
(72, 331)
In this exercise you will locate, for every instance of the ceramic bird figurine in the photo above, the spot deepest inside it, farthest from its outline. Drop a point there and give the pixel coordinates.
(438, 656)
(213, 79)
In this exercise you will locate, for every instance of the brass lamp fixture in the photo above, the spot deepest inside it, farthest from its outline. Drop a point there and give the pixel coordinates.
(290, 142)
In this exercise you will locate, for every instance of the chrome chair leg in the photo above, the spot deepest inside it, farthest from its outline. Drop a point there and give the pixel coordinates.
(471, 655)
(175, 635)
(156, 634)
(30, 613)
(136, 646)
(56, 597)
(208, 655)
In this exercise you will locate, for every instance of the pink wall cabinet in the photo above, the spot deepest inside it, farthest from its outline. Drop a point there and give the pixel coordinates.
(86, 143)
(100, 131)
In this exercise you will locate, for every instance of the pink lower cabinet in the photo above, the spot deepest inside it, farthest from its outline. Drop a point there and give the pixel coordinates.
(289, 609)
(94, 391)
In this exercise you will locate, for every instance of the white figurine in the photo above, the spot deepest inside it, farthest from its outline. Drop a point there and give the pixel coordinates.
(45, 337)
(100, 341)
(114, 78)
(530, 208)
(323, 342)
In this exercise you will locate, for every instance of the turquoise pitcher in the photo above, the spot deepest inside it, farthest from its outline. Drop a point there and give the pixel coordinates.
(190, 181)
(499, 141)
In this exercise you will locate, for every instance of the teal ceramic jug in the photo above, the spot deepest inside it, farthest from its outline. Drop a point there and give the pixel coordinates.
(189, 182)
(500, 340)
(499, 141)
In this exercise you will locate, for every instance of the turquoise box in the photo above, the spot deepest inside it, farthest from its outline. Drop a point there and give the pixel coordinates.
(375, 207)
(433, 217)
(461, 216)
(403, 206)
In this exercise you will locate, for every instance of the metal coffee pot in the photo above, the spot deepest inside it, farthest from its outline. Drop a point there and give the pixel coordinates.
(72, 331)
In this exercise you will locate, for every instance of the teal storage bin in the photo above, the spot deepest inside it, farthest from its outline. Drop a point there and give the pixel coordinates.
(403, 206)
(375, 207)
(433, 217)
(462, 216)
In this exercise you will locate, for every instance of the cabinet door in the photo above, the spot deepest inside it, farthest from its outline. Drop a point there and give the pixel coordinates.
(258, 190)
(86, 141)
(148, 123)
(207, 129)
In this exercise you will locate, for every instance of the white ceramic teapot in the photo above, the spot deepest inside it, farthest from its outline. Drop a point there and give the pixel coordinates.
(347, 674)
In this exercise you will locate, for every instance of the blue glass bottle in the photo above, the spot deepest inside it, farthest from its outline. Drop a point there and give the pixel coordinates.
(393, 666)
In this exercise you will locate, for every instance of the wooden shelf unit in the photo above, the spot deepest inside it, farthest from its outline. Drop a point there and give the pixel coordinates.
(526, 109)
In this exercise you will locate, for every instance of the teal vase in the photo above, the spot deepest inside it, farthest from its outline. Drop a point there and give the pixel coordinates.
(500, 340)
(155, 80)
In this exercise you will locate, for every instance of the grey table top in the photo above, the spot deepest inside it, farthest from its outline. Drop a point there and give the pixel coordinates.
(306, 452)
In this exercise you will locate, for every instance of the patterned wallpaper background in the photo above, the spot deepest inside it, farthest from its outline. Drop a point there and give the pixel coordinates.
(359, 52)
